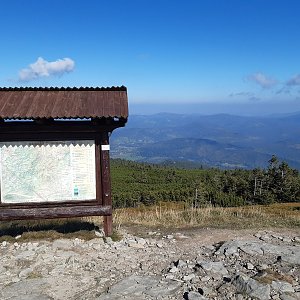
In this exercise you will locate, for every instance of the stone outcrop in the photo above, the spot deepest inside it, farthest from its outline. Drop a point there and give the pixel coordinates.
(264, 265)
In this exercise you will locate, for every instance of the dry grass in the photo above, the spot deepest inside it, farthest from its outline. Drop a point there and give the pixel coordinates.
(268, 275)
(165, 215)
(176, 215)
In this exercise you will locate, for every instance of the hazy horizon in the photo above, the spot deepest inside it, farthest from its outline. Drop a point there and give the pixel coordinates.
(263, 109)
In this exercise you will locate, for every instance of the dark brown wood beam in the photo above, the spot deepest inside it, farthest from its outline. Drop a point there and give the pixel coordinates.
(46, 126)
(54, 212)
(106, 184)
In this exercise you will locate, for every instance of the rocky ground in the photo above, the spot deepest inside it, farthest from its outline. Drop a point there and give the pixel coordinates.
(195, 264)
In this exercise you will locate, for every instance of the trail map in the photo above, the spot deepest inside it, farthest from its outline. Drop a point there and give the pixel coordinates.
(47, 171)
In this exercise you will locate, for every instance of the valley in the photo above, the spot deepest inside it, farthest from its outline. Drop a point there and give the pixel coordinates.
(223, 141)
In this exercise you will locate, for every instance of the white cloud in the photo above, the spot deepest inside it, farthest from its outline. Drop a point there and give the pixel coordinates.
(263, 80)
(294, 81)
(44, 68)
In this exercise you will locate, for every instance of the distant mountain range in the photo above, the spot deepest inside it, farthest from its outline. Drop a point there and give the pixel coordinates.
(222, 140)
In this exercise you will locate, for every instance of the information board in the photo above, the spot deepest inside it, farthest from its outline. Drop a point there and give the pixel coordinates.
(47, 171)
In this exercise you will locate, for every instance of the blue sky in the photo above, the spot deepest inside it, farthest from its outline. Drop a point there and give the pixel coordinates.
(195, 56)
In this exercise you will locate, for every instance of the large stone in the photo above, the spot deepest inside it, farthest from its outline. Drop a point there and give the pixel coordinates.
(229, 248)
(289, 254)
(289, 297)
(282, 287)
(141, 287)
(214, 267)
(252, 248)
(251, 287)
(26, 290)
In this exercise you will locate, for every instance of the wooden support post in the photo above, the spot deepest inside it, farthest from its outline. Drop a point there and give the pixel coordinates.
(107, 225)
(106, 184)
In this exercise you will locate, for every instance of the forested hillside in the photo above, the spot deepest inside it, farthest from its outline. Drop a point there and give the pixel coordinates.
(222, 141)
(139, 183)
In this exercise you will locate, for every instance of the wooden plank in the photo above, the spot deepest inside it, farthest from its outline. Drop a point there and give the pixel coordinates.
(50, 205)
(54, 212)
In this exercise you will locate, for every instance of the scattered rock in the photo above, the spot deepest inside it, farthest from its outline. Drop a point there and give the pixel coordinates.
(173, 269)
(136, 243)
(193, 296)
(189, 277)
(181, 236)
(109, 240)
(99, 234)
(24, 273)
(141, 241)
(248, 267)
(205, 278)
(62, 244)
(180, 263)
(152, 233)
(159, 245)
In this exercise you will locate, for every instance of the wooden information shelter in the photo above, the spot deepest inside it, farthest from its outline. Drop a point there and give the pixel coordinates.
(44, 129)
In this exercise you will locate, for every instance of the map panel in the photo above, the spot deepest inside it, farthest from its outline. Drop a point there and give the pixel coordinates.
(47, 171)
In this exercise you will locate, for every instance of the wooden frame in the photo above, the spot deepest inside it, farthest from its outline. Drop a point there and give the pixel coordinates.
(52, 130)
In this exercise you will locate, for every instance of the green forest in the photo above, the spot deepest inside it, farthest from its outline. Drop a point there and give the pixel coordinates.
(135, 184)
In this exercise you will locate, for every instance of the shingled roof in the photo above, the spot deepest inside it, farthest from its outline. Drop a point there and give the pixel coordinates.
(88, 102)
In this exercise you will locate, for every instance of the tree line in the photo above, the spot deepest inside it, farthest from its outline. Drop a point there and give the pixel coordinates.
(135, 183)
